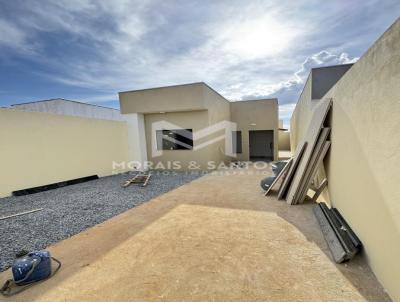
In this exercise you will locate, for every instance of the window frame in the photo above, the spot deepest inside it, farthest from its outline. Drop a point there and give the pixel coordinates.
(167, 145)
(237, 141)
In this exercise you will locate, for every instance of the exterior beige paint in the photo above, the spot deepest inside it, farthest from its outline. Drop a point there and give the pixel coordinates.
(164, 99)
(262, 113)
(197, 106)
(301, 115)
(218, 111)
(195, 120)
(364, 160)
(284, 140)
(39, 148)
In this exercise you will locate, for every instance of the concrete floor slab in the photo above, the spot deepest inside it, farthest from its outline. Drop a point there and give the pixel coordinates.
(215, 239)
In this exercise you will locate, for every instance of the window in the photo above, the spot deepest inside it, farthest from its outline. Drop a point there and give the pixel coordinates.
(237, 141)
(176, 139)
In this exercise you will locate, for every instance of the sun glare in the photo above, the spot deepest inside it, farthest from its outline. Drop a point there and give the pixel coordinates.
(258, 38)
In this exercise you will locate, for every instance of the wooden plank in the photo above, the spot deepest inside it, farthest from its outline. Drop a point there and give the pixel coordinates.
(284, 169)
(137, 179)
(129, 181)
(296, 159)
(336, 248)
(319, 190)
(146, 180)
(307, 179)
(19, 214)
(319, 162)
(317, 121)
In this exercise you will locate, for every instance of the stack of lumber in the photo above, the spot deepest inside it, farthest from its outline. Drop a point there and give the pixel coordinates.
(303, 166)
(340, 238)
(142, 179)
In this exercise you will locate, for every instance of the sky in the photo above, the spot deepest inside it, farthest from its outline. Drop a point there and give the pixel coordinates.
(90, 50)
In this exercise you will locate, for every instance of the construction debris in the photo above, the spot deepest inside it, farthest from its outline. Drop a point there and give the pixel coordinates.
(289, 176)
(310, 153)
(238, 164)
(19, 214)
(313, 147)
(298, 176)
(342, 241)
(318, 190)
(278, 166)
(282, 170)
(316, 159)
(138, 179)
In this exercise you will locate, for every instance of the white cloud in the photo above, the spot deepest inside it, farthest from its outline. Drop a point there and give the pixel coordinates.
(131, 52)
(249, 49)
(288, 90)
(12, 36)
(99, 98)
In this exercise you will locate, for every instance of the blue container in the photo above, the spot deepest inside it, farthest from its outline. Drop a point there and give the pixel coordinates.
(33, 267)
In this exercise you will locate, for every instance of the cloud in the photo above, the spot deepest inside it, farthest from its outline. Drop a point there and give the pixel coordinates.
(137, 44)
(323, 58)
(11, 36)
(250, 49)
(98, 99)
(288, 91)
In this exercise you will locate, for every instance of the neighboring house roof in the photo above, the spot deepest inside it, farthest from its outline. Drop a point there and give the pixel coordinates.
(62, 99)
(324, 78)
(71, 108)
(255, 100)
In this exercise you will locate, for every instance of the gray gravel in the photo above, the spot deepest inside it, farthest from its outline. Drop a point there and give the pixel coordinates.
(72, 209)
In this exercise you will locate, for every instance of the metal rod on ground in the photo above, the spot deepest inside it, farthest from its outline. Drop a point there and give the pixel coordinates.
(19, 214)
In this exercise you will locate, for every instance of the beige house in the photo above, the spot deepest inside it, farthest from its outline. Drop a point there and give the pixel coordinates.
(194, 125)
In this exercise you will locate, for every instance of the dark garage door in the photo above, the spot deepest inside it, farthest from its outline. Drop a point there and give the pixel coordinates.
(261, 144)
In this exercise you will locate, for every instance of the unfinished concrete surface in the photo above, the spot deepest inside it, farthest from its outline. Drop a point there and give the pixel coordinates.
(215, 239)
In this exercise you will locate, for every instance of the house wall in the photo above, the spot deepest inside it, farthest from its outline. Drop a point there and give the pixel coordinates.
(39, 148)
(181, 105)
(137, 149)
(364, 160)
(284, 140)
(196, 120)
(264, 113)
(301, 115)
(164, 99)
(218, 112)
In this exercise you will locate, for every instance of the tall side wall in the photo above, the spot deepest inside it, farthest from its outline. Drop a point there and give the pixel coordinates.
(284, 140)
(364, 160)
(301, 116)
(40, 148)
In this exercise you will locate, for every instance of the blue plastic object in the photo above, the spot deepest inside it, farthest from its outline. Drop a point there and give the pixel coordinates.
(32, 267)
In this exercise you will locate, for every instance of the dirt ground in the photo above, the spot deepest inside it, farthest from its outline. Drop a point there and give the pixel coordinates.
(215, 239)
